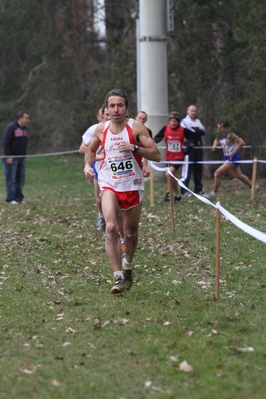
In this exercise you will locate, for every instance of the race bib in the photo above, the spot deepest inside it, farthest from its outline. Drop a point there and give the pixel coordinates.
(121, 166)
(174, 146)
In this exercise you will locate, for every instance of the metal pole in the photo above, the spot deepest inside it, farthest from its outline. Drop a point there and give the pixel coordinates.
(152, 79)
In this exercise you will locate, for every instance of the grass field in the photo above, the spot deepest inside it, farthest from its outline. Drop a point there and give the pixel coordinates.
(63, 335)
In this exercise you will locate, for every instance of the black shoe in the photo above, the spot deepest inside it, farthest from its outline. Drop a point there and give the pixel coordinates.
(167, 197)
(118, 286)
(128, 277)
(177, 199)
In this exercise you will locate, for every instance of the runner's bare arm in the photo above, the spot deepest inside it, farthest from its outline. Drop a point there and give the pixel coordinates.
(148, 148)
(90, 154)
(82, 148)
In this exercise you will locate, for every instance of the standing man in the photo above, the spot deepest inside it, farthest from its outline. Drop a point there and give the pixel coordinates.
(15, 141)
(143, 117)
(125, 143)
(192, 123)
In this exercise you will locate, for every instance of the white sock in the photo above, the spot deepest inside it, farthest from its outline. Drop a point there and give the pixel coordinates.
(118, 273)
(126, 263)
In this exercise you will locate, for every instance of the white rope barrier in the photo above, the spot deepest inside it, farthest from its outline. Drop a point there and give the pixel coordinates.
(207, 147)
(49, 154)
(243, 226)
(250, 161)
(238, 223)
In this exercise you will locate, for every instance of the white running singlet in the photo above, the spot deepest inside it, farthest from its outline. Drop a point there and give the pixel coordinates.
(121, 171)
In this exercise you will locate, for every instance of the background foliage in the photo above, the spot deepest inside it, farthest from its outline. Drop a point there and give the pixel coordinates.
(55, 64)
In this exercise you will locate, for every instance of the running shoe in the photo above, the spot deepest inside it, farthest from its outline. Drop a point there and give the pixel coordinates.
(118, 285)
(128, 276)
(100, 225)
(166, 197)
(211, 195)
(177, 199)
(187, 194)
(201, 192)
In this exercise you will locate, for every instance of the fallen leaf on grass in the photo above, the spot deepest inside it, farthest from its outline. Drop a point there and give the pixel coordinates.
(65, 344)
(184, 366)
(175, 282)
(148, 384)
(167, 323)
(189, 332)
(91, 346)
(97, 324)
(60, 316)
(31, 369)
(245, 349)
(173, 358)
(71, 330)
(121, 321)
(55, 383)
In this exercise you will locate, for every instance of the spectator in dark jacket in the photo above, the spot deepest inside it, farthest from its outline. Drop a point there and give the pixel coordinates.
(192, 122)
(15, 141)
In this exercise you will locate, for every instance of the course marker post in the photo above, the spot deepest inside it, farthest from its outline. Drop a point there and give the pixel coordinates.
(254, 176)
(151, 187)
(217, 252)
(169, 184)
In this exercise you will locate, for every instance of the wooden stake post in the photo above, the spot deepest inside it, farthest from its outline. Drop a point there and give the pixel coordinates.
(151, 187)
(254, 176)
(169, 184)
(217, 252)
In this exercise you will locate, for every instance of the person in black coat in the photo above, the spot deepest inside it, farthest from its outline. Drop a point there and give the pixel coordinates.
(15, 142)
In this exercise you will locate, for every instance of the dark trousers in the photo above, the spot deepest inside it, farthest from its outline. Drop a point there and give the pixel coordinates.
(15, 179)
(195, 168)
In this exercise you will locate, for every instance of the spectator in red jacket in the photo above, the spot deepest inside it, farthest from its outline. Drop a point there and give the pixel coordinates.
(175, 139)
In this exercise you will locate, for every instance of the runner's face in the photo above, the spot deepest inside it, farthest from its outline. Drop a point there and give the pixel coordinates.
(100, 116)
(117, 108)
(141, 117)
(106, 115)
(173, 123)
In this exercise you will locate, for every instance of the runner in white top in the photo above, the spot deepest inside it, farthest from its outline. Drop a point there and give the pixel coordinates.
(102, 116)
(121, 181)
(120, 171)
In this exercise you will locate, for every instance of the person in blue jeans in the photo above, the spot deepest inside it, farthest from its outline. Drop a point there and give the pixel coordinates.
(15, 142)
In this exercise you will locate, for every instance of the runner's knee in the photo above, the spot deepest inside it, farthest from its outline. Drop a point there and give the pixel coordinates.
(111, 228)
(131, 235)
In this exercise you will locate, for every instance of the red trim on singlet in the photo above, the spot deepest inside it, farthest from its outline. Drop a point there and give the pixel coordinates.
(132, 140)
